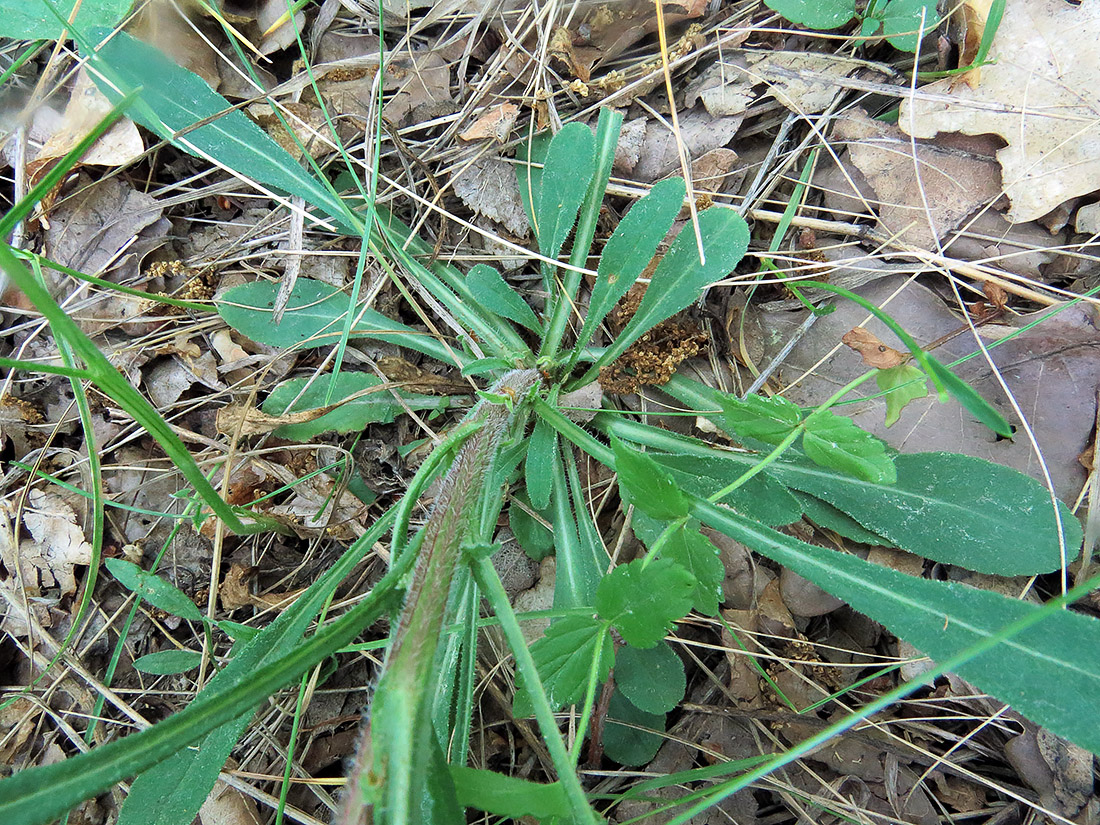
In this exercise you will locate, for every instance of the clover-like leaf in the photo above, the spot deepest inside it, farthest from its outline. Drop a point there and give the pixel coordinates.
(563, 658)
(647, 485)
(643, 601)
(902, 384)
(766, 419)
(694, 552)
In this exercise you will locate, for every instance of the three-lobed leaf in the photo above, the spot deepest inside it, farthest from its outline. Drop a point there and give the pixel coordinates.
(647, 485)
(563, 658)
(902, 384)
(694, 552)
(766, 419)
(833, 441)
(643, 601)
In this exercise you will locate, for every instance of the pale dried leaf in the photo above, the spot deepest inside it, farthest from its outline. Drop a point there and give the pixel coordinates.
(1039, 94)
(228, 806)
(59, 544)
(875, 353)
(489, 187)
(496, 123)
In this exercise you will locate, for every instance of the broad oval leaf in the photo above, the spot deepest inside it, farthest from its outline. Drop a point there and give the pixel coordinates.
(951, 508)
(653, 680)
(681, 277)
(630, 249)
(569, 166)
(815, 14)
(168, 662)
(493, 292)
(646, 485)
(631, 736)
(314, 316)
(903, 21)
(1046, 672)
(154, 589)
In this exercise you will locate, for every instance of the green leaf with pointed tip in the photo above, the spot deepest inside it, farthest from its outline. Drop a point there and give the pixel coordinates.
(509, 796)
(294, 396)
(815, 14)
(542, 449)
(643, 601)
(902, 384)
(630, 249)
(154, 589)
(691, 550)
(681, 277)
(314, 317)
(569, 166)
(904, 20)
(1046, 672)
(33, 20)
(172, 100)
(493, 292)
(966, 395)
(563, 658)
(652, 679)
(622, 739)
(168, 662)
(646, 485)
(766, 419)
(832, 440)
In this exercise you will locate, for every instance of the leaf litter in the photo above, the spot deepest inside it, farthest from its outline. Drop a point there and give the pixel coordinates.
(465, 82)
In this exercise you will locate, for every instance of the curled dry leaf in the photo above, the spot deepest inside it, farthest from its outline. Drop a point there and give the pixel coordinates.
(1039, 93)
(57, 544)
(875, 353)
(496, 123)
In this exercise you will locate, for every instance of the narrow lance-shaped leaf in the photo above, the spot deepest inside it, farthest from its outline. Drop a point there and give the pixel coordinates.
(489, 287)
(681, 277)
(173, 99)
(542, 451)
(568, 168)
(630, 249)
(1047, 672)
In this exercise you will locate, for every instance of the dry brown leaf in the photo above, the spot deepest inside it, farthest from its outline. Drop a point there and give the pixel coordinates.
(969, 21)
(875, 353)
(942, 186)
(58, 543)
(228, 806)
(1039, 94)
(489, 187)
(425, 89)
(233, 591)
(496, 123)
(804, 82)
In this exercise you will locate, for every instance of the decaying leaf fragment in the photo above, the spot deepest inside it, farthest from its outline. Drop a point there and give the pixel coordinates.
(57, 542)
(496, 123)
(875, 353)
(1039, 94)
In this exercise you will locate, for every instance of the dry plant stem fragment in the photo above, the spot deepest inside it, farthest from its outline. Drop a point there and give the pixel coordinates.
(392, 755)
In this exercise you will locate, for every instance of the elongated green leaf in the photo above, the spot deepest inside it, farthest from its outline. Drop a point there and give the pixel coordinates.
(630, 249)
(569, 166)
(653, 680)
(154, 589)
(374, 407)
(694, 552)
(1047, 672)
(168, 662)
(494, 294)
(630, 735)
(944, 506)
(533, 536)
(542, 452)
(173, 99)
(818, 14)
(33, 20)
(646, 485)
(643, 600)
(951, 508)
(681, 277)
(829, 517)
(833, 441)
(509, 796)
(564, 658)
(966, 395)
(579, 564)
(761, 497)
(274, 657)
(314, 316)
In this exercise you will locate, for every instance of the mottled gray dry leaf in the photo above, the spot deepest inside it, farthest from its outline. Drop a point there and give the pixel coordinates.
(1039, 93)
(89, 228)
(489, 187)
(700, 132)
(920, 199)
(58, 543)
(804, 82)
(1053, 370)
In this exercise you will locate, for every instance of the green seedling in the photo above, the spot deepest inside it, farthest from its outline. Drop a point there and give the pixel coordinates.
(518, 449)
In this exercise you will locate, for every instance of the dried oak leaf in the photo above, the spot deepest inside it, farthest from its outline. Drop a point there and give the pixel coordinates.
(1039, 93)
